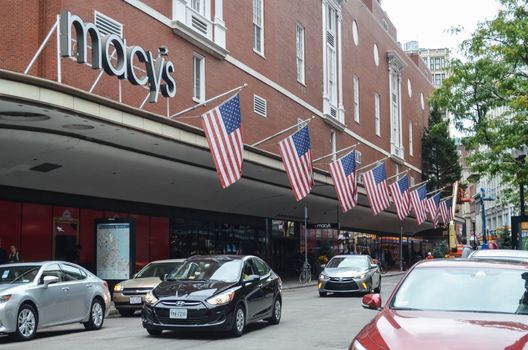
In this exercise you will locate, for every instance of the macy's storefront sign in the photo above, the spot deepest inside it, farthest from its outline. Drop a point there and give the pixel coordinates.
(158, 70)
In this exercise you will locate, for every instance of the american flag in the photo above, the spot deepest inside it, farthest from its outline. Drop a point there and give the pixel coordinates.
(400, 196)
(445, 209)
(297, 159)
(417, 198)
(343, 173)
(432, 207)
(222, 129)
(375, 182)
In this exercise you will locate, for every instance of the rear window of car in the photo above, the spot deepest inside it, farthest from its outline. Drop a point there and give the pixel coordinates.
(464, 289)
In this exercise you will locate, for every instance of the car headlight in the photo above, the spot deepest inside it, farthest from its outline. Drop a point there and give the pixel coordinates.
(356, 345)
(118, 288)
(5, 298)
(150, 298)
(323, 277)
(362, 276)
(222, 299)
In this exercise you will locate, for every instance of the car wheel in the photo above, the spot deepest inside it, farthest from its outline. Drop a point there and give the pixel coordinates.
(27, 322)
(126, 312)
(96, 319)
(378, 289)
(154, 332)
(322, 294)
(277, 312)
(239, 321)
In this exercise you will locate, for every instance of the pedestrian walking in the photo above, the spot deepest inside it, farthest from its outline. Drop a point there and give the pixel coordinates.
(467, 248)
(3, 254)
(15, 256)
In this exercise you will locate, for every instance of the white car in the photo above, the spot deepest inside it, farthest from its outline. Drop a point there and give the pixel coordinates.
(500, 254)
(45, 294)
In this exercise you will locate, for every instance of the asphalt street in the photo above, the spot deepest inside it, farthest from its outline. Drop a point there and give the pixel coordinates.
(308, 322)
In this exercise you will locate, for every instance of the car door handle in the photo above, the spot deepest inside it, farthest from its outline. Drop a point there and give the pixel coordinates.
(65, 289)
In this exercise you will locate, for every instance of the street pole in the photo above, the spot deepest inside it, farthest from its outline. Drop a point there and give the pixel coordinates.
(483, 208)
(401, 247)
(305, 235)
(521, 184)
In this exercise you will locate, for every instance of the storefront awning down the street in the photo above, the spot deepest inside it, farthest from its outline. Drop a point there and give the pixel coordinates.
(61, 139)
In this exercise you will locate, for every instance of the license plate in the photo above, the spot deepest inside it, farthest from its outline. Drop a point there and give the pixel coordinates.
(135, 299)
(180, 314)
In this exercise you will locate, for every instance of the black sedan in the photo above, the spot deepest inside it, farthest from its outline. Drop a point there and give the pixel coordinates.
(215, 293)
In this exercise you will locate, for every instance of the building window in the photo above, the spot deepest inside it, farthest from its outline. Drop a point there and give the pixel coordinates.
(258, 26)
(377, 114)
(299, 37)
(356, 99)
(395, 115)
(333, 144)
(198, 6)
(411, 181)
(331, 60)
(411, 152)
(198, 78)
(358, 157)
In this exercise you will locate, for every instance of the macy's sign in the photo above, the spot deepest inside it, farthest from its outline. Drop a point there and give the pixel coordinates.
(158, 70)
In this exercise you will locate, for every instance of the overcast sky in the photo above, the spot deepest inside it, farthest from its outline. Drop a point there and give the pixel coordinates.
(428, 20)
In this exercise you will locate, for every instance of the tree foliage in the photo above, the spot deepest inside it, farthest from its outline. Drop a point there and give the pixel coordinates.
(487, 93)
(439, 157)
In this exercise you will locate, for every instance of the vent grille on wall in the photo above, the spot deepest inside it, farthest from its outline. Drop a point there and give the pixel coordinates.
(330, 39)
(333, 112)
(199, 25)
(260, 106)
(107, 25)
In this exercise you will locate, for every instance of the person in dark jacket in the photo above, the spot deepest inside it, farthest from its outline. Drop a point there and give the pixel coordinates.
(3, 254)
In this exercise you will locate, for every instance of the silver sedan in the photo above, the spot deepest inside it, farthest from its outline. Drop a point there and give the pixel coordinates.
(350, 273)
(38, 295)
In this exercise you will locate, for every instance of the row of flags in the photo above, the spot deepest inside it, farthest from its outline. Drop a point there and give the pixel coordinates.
(222, 126)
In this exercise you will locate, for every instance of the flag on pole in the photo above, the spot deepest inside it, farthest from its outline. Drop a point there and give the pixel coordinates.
(222, 129)
(417, 198)
(445, 209)
(432, 207)
(375, 181)
(297, 159)
(400, 196)
(343, 173)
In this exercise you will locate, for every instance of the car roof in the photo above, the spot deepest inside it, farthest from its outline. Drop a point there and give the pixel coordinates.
(40, 263)
(167, 261)
(501, 252)
(353, 256)
(221, 257)
(472, 263)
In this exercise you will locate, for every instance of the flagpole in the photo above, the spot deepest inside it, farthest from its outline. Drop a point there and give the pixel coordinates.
(418, 184)
(283, 131)
(208, 101)
(366, 166)
(336, 152)
(438, 190)
(393, 176)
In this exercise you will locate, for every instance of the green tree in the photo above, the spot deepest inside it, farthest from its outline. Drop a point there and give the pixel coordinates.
(487, 94)
(439, 157)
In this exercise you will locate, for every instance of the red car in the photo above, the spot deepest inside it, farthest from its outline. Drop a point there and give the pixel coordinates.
(452, 304)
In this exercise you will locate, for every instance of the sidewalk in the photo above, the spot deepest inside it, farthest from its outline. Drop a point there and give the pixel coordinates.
(287, 284)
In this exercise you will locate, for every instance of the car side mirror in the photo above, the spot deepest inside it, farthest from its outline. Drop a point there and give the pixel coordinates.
(371, 301)
(251, 278)
(373, 266)
(47, 280)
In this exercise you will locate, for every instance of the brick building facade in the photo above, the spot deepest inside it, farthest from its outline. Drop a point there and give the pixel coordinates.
(117, 155)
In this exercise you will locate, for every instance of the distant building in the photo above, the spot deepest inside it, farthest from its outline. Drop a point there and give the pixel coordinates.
(435, 59)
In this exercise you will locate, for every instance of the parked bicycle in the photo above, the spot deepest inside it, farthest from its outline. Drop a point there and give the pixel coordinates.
(306, 273)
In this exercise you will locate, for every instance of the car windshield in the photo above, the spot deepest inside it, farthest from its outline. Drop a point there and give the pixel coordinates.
(159, 269)
(467, 289)
(209, 269)
(18, 274)
(346, 262)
